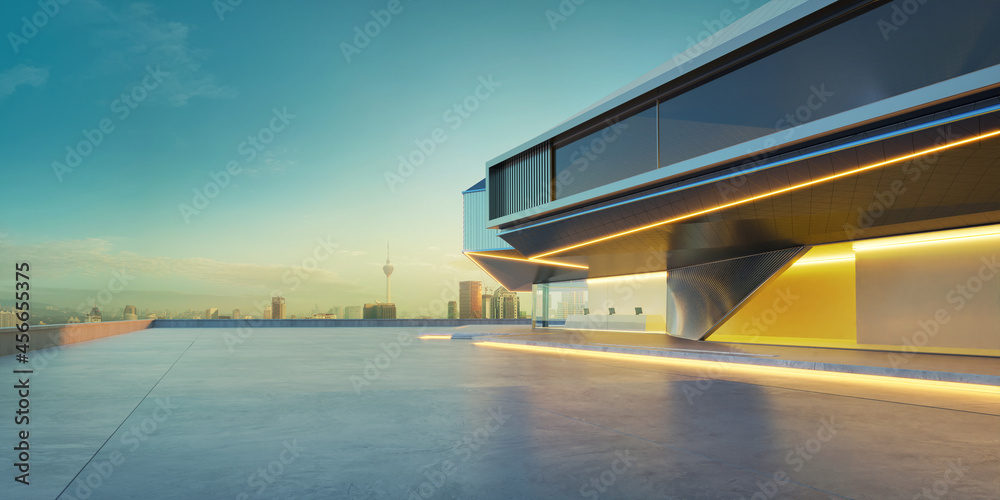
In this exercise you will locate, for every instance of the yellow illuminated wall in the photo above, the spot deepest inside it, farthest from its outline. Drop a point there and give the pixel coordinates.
(811, 303)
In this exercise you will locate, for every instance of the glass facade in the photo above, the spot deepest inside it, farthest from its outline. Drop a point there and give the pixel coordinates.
(587, 304)
(615, 152)
(884, 52)
(890, 50)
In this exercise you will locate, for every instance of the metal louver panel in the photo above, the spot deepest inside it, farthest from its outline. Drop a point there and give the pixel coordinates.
(700, 298)
(521, 182)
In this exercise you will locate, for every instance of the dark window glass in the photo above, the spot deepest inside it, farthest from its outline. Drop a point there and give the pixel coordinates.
(618, 151)
(895, 48)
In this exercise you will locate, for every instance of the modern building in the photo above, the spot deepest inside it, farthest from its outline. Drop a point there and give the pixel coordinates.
(277, 308)
(336, 311)
(452, 309)
(130, 313)
(470, 299)
(267, 312)
(94, 316)
(7, 319)
(506, 304)
(379, 310)
(353, 312)
(212, 313)
(818, 172)
(487, 305)
(236, 314)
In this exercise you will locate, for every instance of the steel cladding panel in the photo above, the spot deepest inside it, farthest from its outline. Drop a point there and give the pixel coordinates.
(476, 236)
(521, 182)
(700, 297)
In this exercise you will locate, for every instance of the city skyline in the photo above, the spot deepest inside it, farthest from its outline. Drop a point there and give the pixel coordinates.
(331, 151)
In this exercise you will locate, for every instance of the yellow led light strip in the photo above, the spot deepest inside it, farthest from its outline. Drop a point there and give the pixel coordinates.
(822, 261)
(628, 278)
(480, 266)
(748, 369)
(767, 195)
(434, 337)
(887, 244)
(531, 261)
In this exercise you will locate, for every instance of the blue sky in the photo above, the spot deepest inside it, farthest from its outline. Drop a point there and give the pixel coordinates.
(197, 86)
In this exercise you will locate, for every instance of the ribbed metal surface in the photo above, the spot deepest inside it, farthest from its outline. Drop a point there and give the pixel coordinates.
(476, 237)
(521, 182)
(700, 298)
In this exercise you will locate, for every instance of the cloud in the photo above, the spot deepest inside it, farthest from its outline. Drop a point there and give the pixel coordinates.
(137, 37)
(19, 75)
(95, 257)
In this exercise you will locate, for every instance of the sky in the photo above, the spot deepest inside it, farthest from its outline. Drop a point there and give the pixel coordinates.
(226, 152)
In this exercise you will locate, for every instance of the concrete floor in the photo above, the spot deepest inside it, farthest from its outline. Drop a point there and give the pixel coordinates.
(352, 413)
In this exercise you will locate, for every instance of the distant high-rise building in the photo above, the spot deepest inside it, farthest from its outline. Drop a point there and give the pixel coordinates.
(130, 313)
(236, 314)
(353, 312)
(379, 310)
(277, 308)
(387, 269)
(212, 313)
(487, 306)
(452, 309)
(94, 316)
(336, 311)
(267, 312)
(506, 304)
(470, 299)
(7, 319)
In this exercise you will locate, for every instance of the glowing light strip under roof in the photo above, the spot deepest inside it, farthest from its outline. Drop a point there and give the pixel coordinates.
(795, 373)
(822, 261)
(529, 261)
(434, 337)
(935, 237)
(770, 194)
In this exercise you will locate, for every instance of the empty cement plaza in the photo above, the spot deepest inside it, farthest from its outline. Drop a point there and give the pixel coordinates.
(377, 413)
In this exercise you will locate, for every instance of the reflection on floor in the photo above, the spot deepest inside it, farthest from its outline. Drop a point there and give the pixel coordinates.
(375, 414)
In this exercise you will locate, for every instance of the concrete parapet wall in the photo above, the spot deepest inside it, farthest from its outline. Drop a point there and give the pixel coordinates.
(45, 336)
(330, 323)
